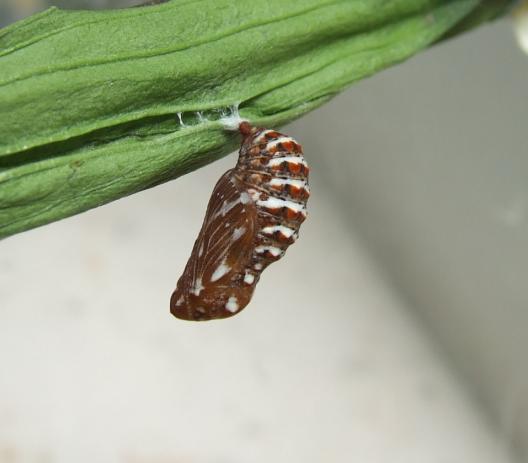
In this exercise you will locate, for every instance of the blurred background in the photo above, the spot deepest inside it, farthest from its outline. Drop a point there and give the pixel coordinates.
(398, 330)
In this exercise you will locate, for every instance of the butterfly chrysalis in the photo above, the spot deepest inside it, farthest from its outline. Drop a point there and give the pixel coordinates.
(254, 214)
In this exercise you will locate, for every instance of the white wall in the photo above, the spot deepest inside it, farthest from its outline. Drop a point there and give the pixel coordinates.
(430, 162)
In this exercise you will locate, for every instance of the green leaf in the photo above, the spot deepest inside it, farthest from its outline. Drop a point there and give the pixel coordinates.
(89, 101)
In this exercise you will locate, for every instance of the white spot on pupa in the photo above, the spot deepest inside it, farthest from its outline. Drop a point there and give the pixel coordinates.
(288, 181)
(286, 231)
(257, 266)
(273, 143)
(261, 137)
(244, 198)
(220, 271)
(197, 288)
(180, 300)
(238, 232)
(200, 251)
(226, 207)
(275, 252)
(290, 159)
(232, 304)
(254, 194)
(277, 203)
(249, 278)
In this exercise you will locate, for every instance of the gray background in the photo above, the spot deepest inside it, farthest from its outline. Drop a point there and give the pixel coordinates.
(433, 174)
(424, 166)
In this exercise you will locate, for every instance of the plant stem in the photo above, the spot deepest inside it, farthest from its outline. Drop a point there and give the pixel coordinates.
(89, 101)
